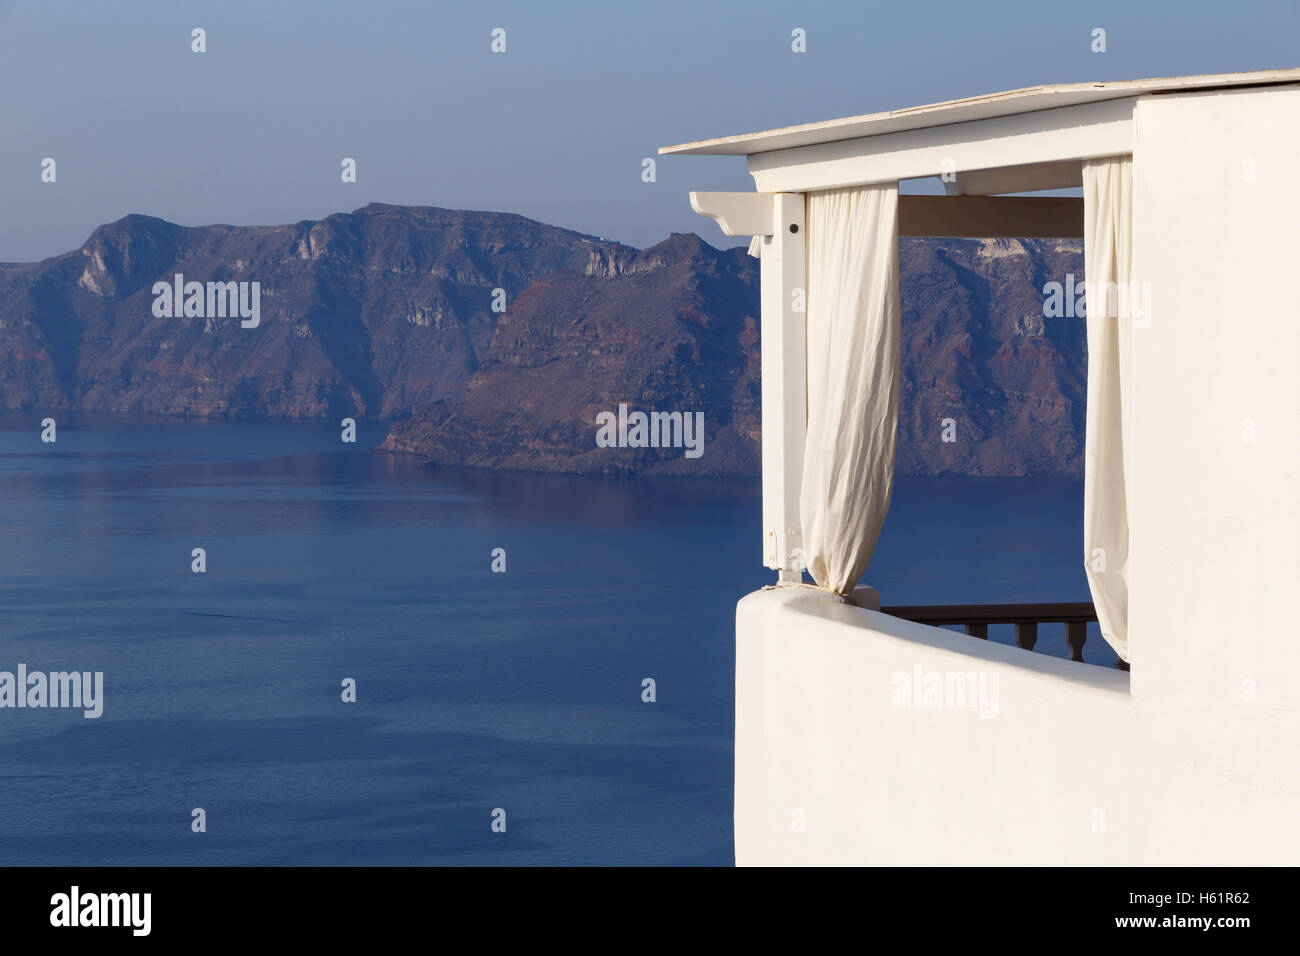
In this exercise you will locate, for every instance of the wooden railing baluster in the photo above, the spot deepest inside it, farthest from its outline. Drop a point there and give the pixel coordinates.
(1026, 634)
(976, 618)
(1076, 632)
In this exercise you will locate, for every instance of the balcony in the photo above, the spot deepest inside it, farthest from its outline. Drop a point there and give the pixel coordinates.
(1026, 619)
(843, 756)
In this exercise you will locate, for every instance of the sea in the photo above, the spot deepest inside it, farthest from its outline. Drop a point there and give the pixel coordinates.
(383, 662)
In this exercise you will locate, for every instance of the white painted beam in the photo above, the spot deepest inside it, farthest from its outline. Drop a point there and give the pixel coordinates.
(738, 214)
(1017, 179)
(1046, 136)
(784, 385)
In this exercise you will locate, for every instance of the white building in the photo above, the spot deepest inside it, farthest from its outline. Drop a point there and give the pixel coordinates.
(853, 742)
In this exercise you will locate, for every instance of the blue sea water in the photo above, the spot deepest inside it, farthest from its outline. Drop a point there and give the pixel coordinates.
(475, 690)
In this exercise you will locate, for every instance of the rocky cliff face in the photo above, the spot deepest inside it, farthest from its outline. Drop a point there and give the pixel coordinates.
(982, 367)
(978, 350)
(366, 313)
(674, 328)
(387, 312)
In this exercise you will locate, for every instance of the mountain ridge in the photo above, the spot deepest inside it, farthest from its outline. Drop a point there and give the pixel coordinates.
(387, 312)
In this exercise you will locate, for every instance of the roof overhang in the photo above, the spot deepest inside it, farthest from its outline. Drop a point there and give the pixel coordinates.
(975, 108)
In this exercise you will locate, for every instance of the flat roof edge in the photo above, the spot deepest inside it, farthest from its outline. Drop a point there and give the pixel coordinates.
(1027, 99)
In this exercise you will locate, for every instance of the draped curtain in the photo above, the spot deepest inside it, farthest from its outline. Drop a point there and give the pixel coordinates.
(1111, 297)
(853, 374)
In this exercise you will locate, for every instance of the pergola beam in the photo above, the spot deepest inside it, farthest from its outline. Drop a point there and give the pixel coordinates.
(1069, 133)
(1016, 179)
(991, 217)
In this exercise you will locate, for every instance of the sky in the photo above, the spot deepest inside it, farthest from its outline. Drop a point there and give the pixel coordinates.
(253, 131)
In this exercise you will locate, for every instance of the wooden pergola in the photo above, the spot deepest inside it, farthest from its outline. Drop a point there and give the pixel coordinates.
(982, 149)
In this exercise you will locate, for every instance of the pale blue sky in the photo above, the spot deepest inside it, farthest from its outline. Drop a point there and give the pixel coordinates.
(253, 130)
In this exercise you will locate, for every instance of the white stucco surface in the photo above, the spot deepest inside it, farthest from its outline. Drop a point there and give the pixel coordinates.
(1216, 520)
(1044, 778)
(1198, 760)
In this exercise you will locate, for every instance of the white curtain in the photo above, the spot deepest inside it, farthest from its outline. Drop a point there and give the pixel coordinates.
(853, 372)
(1112, 303)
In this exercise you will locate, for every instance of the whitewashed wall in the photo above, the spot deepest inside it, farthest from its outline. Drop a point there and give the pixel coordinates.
(1200, 763)
(1216, 531)
(821, 729)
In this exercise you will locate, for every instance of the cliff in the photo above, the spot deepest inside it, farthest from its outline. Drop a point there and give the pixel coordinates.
(387, 312)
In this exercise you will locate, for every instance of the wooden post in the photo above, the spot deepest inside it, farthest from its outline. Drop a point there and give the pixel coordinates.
(785, 372)
(778, 218)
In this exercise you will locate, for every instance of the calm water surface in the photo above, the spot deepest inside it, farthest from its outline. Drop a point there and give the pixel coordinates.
(475, 690)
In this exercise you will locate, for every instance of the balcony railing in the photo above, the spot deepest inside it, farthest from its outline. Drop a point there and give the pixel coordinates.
(976, 618)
